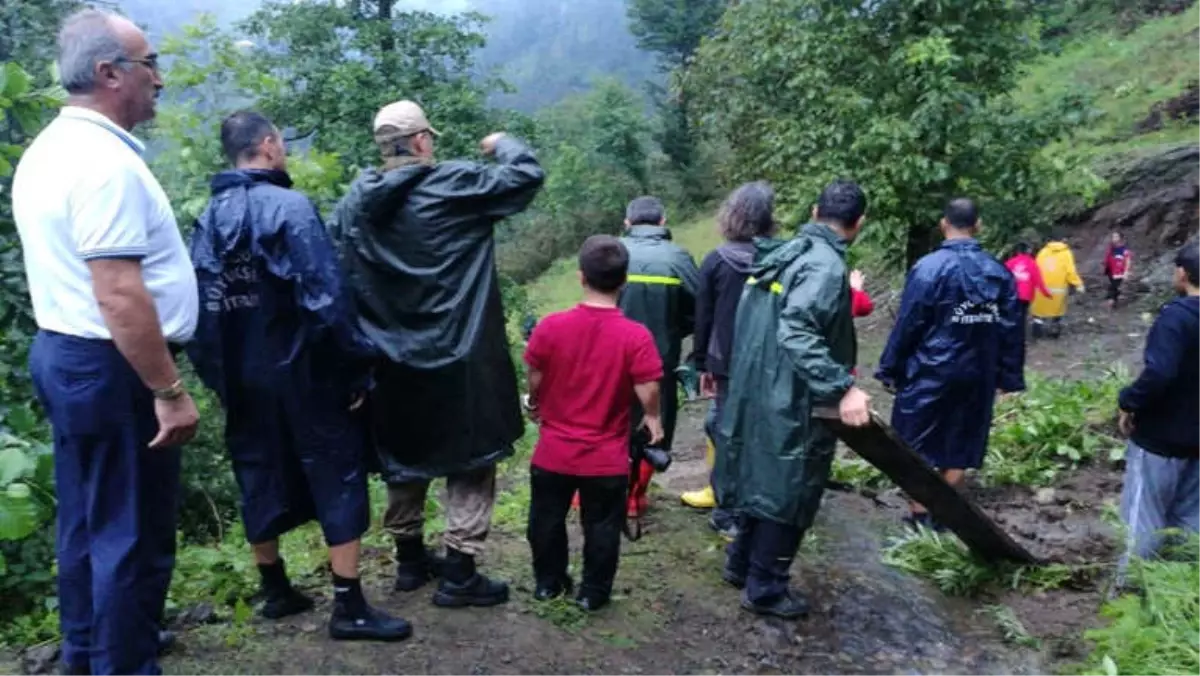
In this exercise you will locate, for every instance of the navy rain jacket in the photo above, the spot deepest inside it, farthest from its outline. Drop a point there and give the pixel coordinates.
(957, 340)
(273, 304)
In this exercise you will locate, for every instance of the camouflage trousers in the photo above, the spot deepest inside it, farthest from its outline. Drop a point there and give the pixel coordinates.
(469, 499)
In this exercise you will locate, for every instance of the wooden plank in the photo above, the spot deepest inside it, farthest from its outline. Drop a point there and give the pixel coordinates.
(879, 445)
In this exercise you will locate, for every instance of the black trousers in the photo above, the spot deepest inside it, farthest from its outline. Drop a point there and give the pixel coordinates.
(763, 552)
(602, 506)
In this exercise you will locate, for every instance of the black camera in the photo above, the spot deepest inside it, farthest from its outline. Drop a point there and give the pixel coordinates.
(658, 458)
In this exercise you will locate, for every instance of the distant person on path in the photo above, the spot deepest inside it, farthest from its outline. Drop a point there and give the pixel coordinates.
(279, 343)
(1118, 266)
(587, 365)
(1028, 276)
(956, 342)
(418, 240)
(794, 350)
(1057, 266)
(748, 214)
(115, 300)
(1160, 413)
(661, 294)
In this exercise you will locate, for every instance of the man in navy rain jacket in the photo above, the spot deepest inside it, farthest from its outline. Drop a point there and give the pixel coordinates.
(1160, 413)
(956, 342)
(277, 341)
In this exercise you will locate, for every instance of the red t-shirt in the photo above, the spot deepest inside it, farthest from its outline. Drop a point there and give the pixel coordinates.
(590, 359)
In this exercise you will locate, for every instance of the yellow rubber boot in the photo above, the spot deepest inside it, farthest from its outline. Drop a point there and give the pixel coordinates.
(703, 498)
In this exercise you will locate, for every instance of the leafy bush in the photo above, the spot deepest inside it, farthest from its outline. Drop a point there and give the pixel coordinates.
(1056, 422)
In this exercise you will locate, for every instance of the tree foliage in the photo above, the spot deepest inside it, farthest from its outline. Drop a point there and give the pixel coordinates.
(911, 99)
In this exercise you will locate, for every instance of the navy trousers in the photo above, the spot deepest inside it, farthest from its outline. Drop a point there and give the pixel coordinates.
(117, 504)
(763, 552)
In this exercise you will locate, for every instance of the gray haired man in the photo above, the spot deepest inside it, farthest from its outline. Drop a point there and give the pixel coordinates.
(114, 296)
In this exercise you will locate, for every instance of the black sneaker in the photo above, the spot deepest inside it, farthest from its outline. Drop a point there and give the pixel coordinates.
(283, 602)
(545, 592)
(591, 602)
(789, 606)
(368, 625)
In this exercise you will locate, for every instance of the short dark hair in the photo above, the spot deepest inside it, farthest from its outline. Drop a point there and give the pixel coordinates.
(1188, 258)
(241, 133)
(1022, 248)
(645, 210)
(748, 212)
(961, 213)
(604, 261)
(842, 202)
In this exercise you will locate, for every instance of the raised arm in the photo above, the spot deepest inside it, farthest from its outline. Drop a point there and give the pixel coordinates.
(502, 189)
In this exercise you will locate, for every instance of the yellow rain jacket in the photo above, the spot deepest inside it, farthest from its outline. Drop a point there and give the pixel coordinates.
(1058, 271)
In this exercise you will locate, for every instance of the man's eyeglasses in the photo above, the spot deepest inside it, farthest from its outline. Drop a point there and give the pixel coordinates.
(151, 61)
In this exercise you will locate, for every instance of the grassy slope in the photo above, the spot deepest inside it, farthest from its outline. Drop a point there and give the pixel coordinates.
(1125, 75)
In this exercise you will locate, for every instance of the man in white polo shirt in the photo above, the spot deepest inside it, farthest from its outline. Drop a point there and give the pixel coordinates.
(114, 295)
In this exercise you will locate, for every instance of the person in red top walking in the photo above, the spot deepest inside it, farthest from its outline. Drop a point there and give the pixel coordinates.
(1118, 263)
(586, 366)
(861, 304)
(1028, 276)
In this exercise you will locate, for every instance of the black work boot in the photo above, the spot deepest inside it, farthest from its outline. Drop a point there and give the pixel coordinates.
(415, 564)
(354, 620)
(788, 606)
(462, 586)
(280, 599)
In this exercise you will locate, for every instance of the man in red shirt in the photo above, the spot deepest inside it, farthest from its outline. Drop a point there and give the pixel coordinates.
(586, 365)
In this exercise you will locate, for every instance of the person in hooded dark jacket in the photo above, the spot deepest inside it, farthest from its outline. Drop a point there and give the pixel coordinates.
(661, 294)
(956, 341)
(418, 245)
(277, 342)
(748, 213)
(1160, 413)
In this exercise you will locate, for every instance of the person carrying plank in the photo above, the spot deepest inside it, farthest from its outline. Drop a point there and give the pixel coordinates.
(794, 350)
(957, 341)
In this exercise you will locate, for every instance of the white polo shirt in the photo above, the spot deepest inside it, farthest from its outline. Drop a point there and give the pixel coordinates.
(81, 192)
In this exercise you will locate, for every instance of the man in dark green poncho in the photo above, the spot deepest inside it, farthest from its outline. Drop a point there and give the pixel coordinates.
(794, 349)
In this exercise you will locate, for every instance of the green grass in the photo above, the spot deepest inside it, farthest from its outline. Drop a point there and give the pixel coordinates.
(558, 288)
(1125, 75)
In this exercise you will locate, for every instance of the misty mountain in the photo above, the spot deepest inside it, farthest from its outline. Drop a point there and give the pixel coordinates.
(546, 49)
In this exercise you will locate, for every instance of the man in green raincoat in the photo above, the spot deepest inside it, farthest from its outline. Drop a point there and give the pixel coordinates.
(794, 349)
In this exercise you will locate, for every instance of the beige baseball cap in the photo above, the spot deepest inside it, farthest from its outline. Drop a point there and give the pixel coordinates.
(406, 117)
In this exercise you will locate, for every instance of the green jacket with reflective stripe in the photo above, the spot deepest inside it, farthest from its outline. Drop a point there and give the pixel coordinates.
(661, 289)
(793, 350)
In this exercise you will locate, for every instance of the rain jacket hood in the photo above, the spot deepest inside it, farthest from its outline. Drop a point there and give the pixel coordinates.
(794, 349)
(419, 250)
(739, 255)
(956, 341)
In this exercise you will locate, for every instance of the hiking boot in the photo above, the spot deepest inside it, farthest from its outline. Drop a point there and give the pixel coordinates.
(462, 586)
(545, 592)
(734, 578)
(415, 564)
(789, 606)
(284, 601)
(367, 624)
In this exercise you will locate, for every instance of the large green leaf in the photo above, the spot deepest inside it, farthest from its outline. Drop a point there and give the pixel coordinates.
(15, 463)
(18, 516)
(16, 81)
